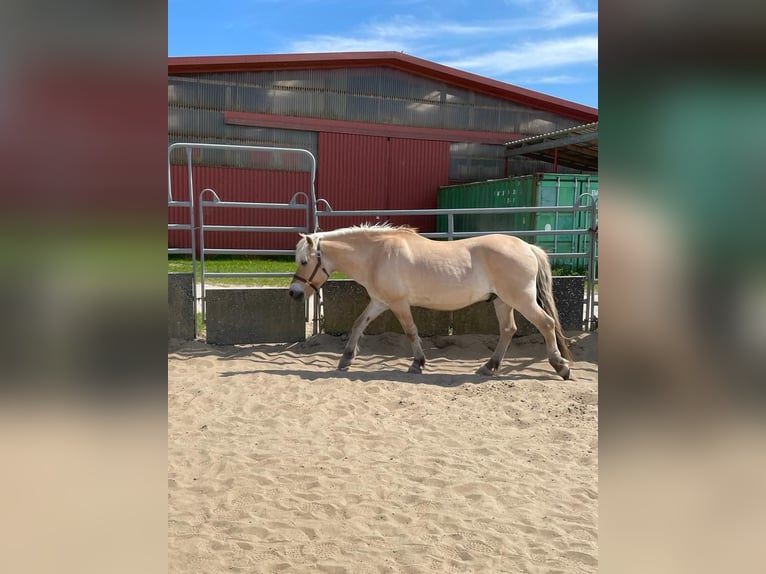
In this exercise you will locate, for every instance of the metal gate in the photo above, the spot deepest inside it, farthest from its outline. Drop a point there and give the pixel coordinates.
(211, 199)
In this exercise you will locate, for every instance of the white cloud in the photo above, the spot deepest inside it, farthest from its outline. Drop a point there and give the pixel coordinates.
(535, 27)
(533, 55)
(405, 27)
(566, 19)
(560, 79)
(553, 14)
(402, 32)
(345, 44)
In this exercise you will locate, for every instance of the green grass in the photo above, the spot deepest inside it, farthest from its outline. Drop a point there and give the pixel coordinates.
(568, 270)
(245, 264)
(240, 264)
(237, 264)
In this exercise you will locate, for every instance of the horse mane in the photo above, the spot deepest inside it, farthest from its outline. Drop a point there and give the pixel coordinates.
(369, 228)
(302, 250)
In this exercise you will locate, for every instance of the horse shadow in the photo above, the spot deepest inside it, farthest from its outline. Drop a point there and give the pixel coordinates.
(519, 370)
(326, 350)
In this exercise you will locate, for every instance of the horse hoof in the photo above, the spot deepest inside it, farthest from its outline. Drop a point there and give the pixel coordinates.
(564, 373)
(343, 367)
(415, 370)
(485, 372)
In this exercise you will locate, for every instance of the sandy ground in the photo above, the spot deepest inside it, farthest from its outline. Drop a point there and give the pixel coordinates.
(279, 463)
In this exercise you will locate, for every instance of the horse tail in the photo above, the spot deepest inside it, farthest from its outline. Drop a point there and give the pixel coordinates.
(545, 298)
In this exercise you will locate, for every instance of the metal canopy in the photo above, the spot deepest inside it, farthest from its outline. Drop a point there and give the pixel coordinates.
(575, 147)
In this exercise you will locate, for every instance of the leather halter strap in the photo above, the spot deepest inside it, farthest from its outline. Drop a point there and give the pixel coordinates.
(317, 268)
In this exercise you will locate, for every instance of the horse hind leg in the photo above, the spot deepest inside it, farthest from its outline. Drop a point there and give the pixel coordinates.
(370, 313)
(547, 326)
(403, 313)
(507, 324)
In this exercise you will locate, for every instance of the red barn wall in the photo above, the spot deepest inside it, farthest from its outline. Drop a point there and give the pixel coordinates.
(359, 172)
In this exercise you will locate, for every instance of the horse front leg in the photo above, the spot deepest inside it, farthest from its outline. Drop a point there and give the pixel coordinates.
(403, 313)
(370, 313)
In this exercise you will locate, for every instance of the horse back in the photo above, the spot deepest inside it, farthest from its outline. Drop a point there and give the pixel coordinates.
(449, 274)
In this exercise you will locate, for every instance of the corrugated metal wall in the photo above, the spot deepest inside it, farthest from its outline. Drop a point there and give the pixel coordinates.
(253, 136)
(368, 172)
(374, 94)
(471, 162)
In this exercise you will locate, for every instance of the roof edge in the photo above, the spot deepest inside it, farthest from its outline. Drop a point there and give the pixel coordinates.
(399, 60)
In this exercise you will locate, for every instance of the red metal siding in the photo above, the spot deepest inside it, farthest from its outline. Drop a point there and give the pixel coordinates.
(366, 128)
(370, 172)
(233, 184)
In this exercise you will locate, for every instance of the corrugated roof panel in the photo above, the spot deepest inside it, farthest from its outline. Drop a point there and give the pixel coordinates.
(389, 60)
(373, 95)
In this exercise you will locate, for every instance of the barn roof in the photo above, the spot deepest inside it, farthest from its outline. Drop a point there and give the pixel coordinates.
(396, 60)
(575, 147)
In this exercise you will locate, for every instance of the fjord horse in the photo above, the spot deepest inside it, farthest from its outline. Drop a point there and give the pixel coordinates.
(400, 268)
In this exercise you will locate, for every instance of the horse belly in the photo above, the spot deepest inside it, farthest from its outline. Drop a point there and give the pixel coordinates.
(443, 281)
(450, 296)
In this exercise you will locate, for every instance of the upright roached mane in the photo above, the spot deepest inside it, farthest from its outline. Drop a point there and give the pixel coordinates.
(400, 269)
(307, 242)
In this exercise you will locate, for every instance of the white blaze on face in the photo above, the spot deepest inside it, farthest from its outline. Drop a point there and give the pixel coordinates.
(297, 288)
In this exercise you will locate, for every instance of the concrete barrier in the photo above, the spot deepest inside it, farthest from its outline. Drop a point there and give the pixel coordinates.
(344, 301)
(239, 316)
(181, 316)
(568, 292)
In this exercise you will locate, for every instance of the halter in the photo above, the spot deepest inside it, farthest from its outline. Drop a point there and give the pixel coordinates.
(317, 267)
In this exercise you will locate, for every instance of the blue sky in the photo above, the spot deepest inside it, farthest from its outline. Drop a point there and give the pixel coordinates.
(550, 46)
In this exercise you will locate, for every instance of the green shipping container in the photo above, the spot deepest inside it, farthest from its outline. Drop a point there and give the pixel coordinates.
(539, 189)
(554, 189)
(491, 193)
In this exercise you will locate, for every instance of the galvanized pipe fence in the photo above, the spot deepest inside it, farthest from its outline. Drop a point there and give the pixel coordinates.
(320, 209)
(294, 204)
(216, 202)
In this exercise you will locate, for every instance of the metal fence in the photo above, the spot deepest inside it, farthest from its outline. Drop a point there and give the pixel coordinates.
(317, 210)
(294, 204)
(309, 198)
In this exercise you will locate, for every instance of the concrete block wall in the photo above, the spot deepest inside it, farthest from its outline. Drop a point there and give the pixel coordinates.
(240, 316)
(344, 301)
(568, 292)
(181, 315)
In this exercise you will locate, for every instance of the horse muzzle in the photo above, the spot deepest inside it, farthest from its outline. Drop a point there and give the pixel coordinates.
(296, 292)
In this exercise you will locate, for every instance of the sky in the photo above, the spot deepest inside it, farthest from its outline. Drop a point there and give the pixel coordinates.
(550, 46)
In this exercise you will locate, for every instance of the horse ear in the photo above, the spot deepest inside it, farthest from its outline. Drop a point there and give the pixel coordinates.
(309, 241)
